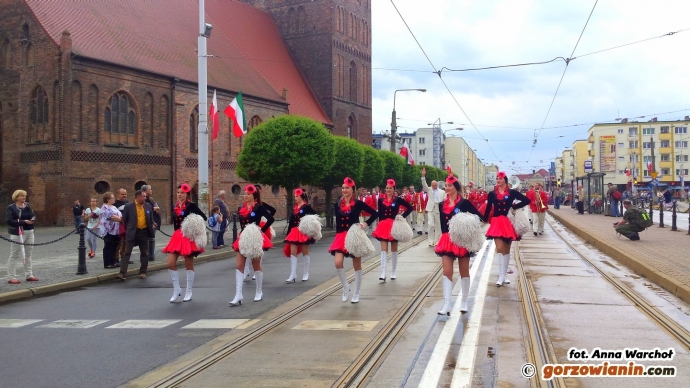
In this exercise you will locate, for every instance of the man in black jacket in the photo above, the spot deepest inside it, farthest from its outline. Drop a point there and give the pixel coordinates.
(138, 220)
(156, 217)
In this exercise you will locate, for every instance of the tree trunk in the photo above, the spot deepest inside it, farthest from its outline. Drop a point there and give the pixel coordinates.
(330, 217)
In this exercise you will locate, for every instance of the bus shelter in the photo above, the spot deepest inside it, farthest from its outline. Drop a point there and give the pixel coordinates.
(595, 192)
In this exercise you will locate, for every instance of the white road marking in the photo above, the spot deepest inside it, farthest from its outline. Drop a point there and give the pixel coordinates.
(216, 324)
(437, 361)
(74, 324)
(337, 325)
(14, 323)
(144, 324)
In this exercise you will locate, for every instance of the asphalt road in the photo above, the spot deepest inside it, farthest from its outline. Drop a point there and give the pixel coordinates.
(98, 356)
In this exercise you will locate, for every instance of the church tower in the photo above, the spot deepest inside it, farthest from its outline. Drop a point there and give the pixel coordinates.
(331, 42)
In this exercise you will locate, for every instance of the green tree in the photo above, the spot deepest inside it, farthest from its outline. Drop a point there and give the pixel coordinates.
(394, 167)
(348, 161)
(411, 176)
(374, 169)
(288, 151)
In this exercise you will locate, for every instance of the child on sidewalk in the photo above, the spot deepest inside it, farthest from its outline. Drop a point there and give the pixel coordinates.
(214, 223)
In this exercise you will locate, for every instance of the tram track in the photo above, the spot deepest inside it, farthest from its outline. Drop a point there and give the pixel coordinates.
(675, 330)
(375, 347)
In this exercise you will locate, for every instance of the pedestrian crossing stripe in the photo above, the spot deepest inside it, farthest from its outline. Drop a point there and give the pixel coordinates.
(73, 324)
(14, 323)
(331, 325)
(216, 324)
(144, 324)
(201, 324)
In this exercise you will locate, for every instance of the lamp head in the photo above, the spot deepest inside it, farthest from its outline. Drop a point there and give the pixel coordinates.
(207, 30)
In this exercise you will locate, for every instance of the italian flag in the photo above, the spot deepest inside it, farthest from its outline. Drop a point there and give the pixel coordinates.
(215, 119)
(235, 111)
(405, 153)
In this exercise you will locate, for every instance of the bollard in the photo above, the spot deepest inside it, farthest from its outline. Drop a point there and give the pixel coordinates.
(673, 218)
(152, 249)
(661, 214)
(81, 268)
(651, 208)
(234, 227)
(620, 211)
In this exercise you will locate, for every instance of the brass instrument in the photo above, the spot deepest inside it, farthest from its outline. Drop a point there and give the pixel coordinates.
(540, 203)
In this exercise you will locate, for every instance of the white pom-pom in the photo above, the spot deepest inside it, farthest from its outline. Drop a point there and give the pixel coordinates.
(465, 230)
(251, 242)
(194, 228)
(520, 221)
(311, 226)
(401, 230)
(357, 242)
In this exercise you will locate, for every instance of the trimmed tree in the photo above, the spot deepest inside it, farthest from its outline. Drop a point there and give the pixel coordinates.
(374, 169)
(394, 166)
(348, 161)
(289, 151)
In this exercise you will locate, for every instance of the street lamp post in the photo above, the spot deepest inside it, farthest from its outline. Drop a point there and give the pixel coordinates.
(394, 123)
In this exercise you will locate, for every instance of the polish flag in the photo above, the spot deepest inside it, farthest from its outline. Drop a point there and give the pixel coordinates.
(649, 166)
(627, 171)
(448, 169)
(405, 153)
(215, 119)
(236, 113)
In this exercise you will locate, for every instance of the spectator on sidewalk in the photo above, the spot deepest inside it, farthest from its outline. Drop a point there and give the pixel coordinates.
(628, 227)
(580, 200)
(614, 196)
(20, 218)
(78, 212)
(110, 229)
(220, 202)
(91, 216)
(557, 197)
(156, 216)
(137, 218)
(214, 223)
(120, 203)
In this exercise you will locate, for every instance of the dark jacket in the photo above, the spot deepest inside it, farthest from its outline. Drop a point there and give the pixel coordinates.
(305, 210)
(389, 212)
(463, 206)
(502, 205)
(156, 216)
(190, 207)
(343, 221)
(259, 210)
(15, 217)
(129, 219)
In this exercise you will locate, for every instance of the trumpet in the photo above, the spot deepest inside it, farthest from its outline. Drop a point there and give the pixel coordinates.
(540, 203)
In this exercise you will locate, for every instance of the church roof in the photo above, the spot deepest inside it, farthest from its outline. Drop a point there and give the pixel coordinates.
(160, 36)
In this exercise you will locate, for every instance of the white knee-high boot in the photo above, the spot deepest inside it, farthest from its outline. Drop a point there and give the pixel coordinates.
(190, 283)
(358, 284)
(307, 260)
(261, 261)
(293, 269)
(447, 288)
(465, 284)
(246, 270)
(394, 264)
(506, 261)
(259, 286)
(501, 270)
(383, 266)
(239, 279)
(346, 285)
(177, 291)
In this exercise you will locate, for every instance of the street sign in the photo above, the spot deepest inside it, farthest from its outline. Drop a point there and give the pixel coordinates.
(654, 174)
(588, 166)
(654, 182)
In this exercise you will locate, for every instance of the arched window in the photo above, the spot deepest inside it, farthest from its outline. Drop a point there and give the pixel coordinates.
(93, 115)
(75, 116)
(351, 25)
(351, 131)
(301, 19)
(338, 69)
(5, 54)
(193, 127)
(38, 115)
(164, 120)
(292, 20)
(25, 32)
(253, 122)
(120, 120)
(353, 81)
(55, 106)
(341, 65)
(30, 55)
(147, 130)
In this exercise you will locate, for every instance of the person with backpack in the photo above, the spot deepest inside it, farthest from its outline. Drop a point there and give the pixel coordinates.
(614, 196)
(635, 220)
(215, 222)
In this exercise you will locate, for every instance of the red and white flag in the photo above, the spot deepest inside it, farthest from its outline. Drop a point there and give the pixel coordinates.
(405, 153)
(236, 113)
(627, 171)
(650, 167)
(215, 118)
(448, 168)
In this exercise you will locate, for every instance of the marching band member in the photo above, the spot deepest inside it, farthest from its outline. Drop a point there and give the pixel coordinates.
(530, 194)
(297, 242)
(412, 218)
(181, 245)
(538, 206)
(501, 229)
(347, 210)
(447, 250)
(251, 211)
(389, 207)
(420, 201)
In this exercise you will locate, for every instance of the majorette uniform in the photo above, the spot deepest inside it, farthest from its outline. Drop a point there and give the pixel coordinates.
(445, 247)
(388, 209)
(501, 227)
(267, 232)
(294, 236)
(253, 215)
(179, 244)
(346, 215)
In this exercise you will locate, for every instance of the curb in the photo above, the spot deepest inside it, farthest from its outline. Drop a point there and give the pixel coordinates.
(27, 293)
(669, 284)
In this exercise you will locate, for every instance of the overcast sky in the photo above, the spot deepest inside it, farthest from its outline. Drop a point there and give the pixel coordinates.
(640, 79)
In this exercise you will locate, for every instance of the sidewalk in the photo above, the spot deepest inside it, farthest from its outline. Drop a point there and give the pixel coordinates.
(55, 265)
(660, 256)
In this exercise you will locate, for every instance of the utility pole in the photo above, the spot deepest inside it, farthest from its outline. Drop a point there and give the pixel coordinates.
(202, 129)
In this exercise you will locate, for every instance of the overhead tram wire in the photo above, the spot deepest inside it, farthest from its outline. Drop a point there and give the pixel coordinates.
(567, 62)
(438, 72)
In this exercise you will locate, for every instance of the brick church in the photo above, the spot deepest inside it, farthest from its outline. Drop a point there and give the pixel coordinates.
(101, 95)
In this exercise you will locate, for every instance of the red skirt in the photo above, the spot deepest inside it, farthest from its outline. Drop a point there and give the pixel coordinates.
(339, 245)
(266, 246)
(181, 245)
(383, 230)
(501, 227)
(445, 247)
(298, 238)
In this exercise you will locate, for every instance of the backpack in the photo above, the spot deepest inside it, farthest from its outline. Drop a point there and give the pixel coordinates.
(617, 195)
(641, 218)
(212, 221)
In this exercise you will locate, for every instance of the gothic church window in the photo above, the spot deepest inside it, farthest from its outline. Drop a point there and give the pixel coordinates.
(301, 19)
(120, 120)
(5, 54)
(38, 115)
(93, 115)
(353, 82)
(164, 120)
(292, 20)
(193, 126)
(148, 122)
(75, 116)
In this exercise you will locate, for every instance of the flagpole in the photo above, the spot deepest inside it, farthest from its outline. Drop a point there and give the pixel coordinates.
(202, 131)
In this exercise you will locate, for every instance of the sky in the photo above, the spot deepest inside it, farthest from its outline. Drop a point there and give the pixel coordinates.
(508, 106)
